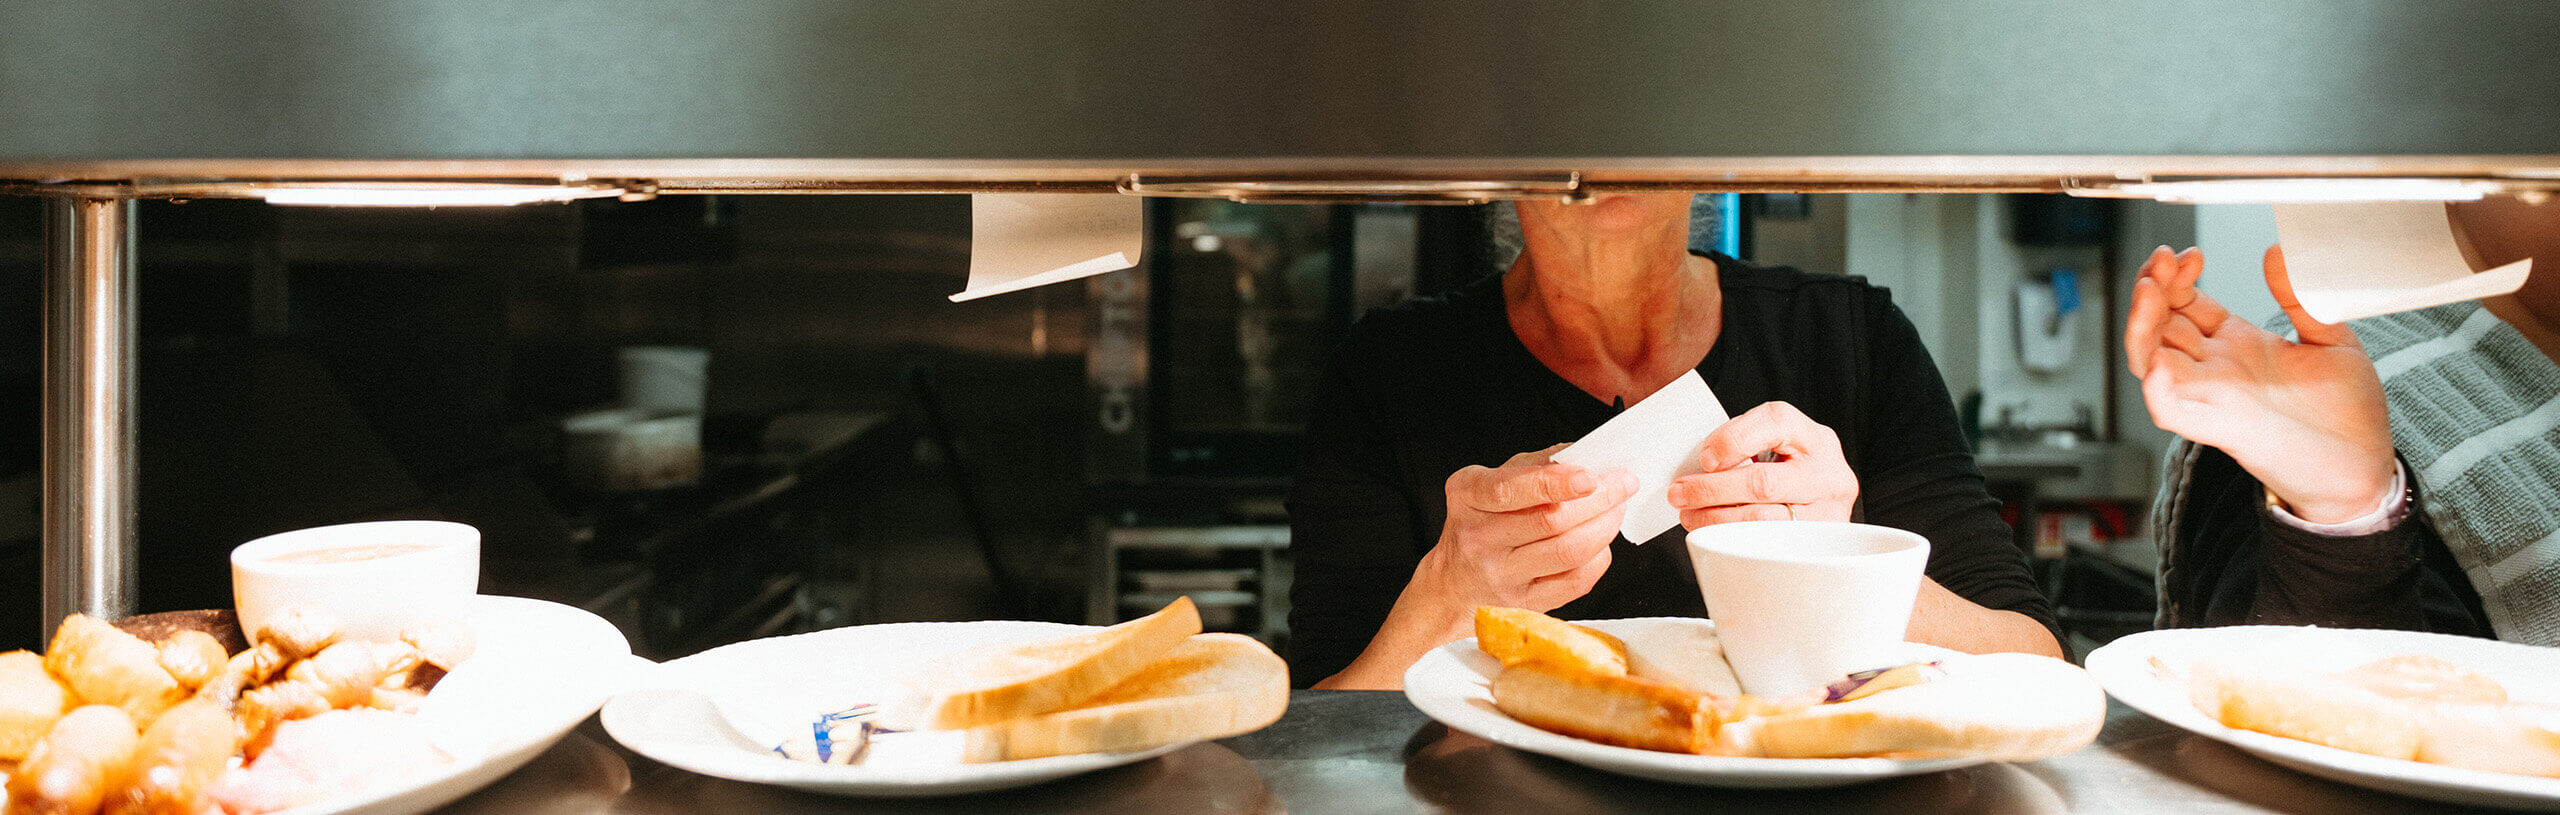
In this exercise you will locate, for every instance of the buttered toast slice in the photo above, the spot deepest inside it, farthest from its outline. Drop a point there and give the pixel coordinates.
(2009, 707)
(983, 686)
(1211, 686)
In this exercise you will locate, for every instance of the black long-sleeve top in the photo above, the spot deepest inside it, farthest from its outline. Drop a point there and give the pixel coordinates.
(2232, 563)
(1423, 389)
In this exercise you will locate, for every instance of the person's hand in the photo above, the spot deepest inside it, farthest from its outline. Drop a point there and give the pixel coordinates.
(1529, 534)
(1770, 463)
(2304, 416)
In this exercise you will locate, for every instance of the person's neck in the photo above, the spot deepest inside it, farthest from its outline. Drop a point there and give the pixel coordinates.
(1619, 319)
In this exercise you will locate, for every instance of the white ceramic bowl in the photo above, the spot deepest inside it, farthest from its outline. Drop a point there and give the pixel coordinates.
(376, 578)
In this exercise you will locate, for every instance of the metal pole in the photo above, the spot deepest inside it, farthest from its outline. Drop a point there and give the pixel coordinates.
(88, 409)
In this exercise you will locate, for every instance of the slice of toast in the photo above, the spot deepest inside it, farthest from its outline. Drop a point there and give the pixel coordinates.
(2010, 707)
(1210, 686)
(2279, 700)
(1620, 710)
(986, 685)
(1517, 635)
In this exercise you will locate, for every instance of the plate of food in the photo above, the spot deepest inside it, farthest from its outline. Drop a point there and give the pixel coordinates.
(947, 708)
(1652, 698)
(336, 723)
(2447, 718)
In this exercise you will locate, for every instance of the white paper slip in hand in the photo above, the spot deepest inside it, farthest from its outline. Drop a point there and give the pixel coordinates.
(1656, 440)
(2352, 261)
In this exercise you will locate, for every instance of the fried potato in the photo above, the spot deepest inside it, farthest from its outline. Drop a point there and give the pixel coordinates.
(1619, 710)
(299, 632)
(344, 673)
(105, 665)
(262, 708)
(193, 658)
(245, 670)
(30, 702)
(1515, 636)
(72, 768)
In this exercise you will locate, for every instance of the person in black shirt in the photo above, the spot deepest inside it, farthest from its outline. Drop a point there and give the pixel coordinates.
(1425, 488)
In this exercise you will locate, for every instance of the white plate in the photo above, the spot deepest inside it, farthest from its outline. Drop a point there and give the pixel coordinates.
(716, 712)
(2124, 668)
(1453, 684)
(538, 669)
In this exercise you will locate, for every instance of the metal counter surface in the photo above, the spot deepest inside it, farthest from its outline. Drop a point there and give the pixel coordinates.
(1372, 752)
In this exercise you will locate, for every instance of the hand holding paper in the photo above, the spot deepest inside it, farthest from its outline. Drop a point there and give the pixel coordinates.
(1772, 463)
(1656, 440)
(1528, 534)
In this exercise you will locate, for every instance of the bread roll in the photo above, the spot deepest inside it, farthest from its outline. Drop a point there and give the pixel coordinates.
(2008, 707)
(1210, 686)
(983, 686)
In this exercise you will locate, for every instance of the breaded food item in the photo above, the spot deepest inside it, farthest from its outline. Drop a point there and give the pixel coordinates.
(2310, 706)
(1619, 710)
(179, 759)
(2008, 707)
(1517, 635)
(1208, 687)
(983, 686)
(2422, 678)
(30, 702)
(192, 657)
(77, 762)
(105, 665)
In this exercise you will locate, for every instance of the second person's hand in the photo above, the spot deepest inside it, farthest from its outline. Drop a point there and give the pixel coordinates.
(2305, 416)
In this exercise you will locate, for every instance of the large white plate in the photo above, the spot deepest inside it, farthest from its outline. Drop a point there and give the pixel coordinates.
(1453, 684)
(539, 669)
(2124, 668)
(716, 712)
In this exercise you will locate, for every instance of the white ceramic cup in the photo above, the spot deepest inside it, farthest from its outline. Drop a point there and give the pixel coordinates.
(377, 578)
(1801, 603)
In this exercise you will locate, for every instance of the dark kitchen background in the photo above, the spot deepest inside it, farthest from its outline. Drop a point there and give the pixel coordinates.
(870, 451)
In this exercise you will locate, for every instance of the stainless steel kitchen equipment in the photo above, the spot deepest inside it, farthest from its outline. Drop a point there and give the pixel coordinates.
(493, 102)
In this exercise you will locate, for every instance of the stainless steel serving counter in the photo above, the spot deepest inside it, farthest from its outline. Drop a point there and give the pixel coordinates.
(1372, 752)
